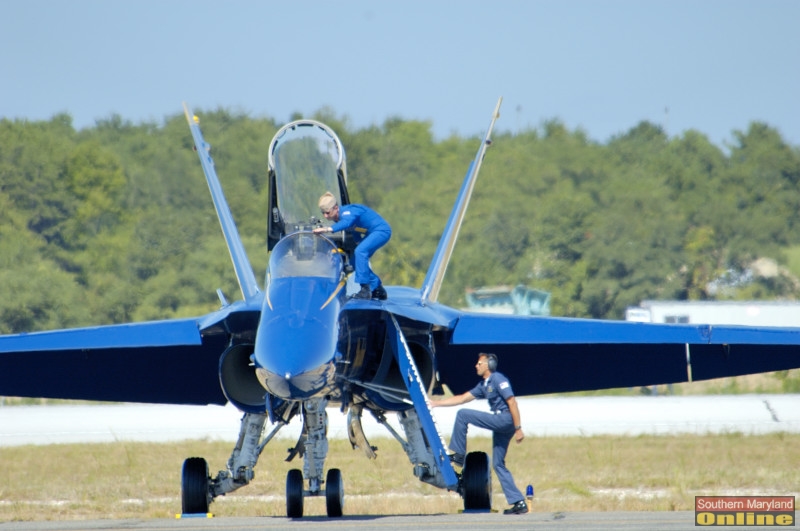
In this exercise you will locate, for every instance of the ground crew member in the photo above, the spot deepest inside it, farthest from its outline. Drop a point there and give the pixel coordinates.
(503, 421)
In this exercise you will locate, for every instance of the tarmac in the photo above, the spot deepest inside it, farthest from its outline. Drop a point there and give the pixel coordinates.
(568, 416)
(566, 521)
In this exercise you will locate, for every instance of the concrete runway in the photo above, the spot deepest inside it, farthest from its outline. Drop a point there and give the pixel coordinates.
(566, 521)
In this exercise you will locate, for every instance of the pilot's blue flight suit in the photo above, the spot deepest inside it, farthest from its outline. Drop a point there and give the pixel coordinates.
(363, 222)
(496, 389)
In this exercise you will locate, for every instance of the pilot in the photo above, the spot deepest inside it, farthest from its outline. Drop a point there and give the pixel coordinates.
(374, 232)
(503, 421)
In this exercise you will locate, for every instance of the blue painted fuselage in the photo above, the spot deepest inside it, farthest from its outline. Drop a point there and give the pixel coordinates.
(296, 346)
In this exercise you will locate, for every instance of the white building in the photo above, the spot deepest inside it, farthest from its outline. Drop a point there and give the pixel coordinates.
(750, 313)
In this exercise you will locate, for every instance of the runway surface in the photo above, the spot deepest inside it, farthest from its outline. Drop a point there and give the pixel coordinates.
(573, 416)
(567, 521)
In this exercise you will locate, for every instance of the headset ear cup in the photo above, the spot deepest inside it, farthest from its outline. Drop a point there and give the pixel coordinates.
(491, 362)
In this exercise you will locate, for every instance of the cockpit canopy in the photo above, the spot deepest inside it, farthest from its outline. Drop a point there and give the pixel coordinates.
(306, 159)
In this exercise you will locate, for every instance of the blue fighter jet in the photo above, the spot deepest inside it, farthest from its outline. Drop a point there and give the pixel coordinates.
(299, 344)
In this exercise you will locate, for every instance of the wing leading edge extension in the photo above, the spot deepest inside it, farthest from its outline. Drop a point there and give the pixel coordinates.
(550, 355)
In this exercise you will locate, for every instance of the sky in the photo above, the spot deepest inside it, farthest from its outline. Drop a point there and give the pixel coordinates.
(601, 66)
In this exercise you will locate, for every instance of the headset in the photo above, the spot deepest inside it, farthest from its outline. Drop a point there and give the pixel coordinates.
(491, 362)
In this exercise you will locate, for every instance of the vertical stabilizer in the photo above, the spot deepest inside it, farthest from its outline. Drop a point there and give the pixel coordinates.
(241, 264)
(436, 271)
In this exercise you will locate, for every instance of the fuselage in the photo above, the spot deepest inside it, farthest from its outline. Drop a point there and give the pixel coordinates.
(296, 345)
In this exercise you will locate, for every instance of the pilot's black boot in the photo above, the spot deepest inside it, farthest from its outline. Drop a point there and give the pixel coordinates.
(379, 293)
(365, 292)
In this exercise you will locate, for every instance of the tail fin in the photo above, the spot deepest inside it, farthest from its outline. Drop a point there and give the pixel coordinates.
(244, 270)
(436, 271)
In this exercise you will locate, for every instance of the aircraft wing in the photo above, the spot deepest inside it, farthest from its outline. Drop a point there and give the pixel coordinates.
(550, 355)
(165, 362)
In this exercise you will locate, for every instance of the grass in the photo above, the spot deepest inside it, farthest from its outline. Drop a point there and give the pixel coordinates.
(778, 382)
(605, 473)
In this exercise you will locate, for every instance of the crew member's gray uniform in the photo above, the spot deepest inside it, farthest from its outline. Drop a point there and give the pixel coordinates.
(496, 389)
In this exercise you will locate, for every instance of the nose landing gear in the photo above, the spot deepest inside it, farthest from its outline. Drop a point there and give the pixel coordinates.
(334, 493)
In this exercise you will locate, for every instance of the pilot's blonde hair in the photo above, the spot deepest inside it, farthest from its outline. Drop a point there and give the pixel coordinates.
(327, 201)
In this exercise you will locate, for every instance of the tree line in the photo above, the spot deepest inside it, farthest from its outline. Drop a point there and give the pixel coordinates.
(114, 223)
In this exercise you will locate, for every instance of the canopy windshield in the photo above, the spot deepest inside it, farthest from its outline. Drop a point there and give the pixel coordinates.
(305, 156)
(305, 254)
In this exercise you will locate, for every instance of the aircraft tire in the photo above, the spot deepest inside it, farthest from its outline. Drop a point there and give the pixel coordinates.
(477, 480)
(334, 493)
(294, 493)
(194, 486)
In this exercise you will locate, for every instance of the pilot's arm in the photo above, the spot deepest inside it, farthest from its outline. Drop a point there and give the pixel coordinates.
(456, 400)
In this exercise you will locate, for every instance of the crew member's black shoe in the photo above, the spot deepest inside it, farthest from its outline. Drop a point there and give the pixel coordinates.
(379, 293)
(365, 293)
(518, 508)
(457, 459)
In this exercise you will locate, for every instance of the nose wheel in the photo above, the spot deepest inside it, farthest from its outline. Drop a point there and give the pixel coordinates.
(334, 493)
(294, 493)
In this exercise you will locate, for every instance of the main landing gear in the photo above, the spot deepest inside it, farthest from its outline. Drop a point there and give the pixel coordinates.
(198, 489)
(476, 482)
(425, 453)
(194, 486)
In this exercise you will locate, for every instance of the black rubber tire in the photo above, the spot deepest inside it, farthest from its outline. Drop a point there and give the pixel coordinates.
(334, 493)
(477, 480)
(194, 486)
(294, 493)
